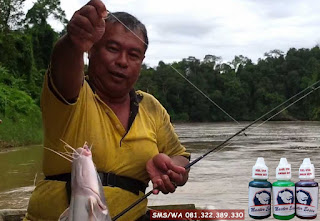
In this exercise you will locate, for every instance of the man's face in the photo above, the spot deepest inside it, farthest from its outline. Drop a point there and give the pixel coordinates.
(115, 61)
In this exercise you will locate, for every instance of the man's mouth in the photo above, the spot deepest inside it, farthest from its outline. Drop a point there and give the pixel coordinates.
(118, 74)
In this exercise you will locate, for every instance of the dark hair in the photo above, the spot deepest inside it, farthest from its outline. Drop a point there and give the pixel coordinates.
(130, 22)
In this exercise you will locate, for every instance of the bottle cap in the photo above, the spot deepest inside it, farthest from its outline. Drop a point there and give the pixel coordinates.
(283, 171)
(306, 171)
(260, 170)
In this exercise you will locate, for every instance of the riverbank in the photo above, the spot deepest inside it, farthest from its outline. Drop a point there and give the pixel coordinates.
(6, 146)
(9, 146)
(23, 132)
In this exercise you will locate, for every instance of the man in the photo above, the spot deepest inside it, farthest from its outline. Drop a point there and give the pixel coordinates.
(133, 139)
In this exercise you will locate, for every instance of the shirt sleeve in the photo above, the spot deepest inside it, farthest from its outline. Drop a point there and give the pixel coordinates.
(60, 118)
(168, 141)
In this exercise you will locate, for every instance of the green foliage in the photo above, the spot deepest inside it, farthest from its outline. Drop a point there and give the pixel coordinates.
(15, 103)
(41, 11)
(26, 131)
(43, 39)
(16, 54)
(11, 14)
(20, 114)
(242, 89)
(24, 57)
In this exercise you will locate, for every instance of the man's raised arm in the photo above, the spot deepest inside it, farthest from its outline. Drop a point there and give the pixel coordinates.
(85, 28)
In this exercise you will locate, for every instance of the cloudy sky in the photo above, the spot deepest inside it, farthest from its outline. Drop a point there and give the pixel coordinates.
(182, 28)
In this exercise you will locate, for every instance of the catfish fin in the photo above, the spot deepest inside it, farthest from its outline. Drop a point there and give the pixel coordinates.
(92, 209)
(101, 192)
(65, 215)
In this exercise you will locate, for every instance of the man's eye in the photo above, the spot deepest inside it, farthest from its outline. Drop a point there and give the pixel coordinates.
(134, 55)
(112, 49)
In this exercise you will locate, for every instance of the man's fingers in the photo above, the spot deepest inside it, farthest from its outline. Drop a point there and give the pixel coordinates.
(176, 177)
(160, 185)
(168, 185)
(77, 32)
(177, 169)
(87, 25)
(91, 14)
(155, 191)
(155, 188)
(83, 23)
(100, 8)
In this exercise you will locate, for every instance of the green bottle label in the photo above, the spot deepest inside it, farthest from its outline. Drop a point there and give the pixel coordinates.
(283, 200)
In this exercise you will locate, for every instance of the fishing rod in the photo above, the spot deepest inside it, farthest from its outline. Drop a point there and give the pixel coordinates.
(224, 142)
(275, 114)
(313, 88)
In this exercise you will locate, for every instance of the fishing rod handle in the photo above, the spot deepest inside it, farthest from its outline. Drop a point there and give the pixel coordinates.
(132, 205)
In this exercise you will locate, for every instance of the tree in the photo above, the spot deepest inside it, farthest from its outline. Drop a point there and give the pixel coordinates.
(276, 53)
(16, 54)
(43, 39)
(11, 12)
(239, 60)
(41, 11)
(43, 36)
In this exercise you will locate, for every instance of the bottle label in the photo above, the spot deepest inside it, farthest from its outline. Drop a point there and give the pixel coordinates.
(307, 201)
(283, 200)
(259, 201)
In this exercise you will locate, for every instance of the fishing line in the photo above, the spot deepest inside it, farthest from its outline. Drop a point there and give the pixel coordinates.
(206, 96)
(228, 139)
(260, 118)
(216, 149)
(272, 116)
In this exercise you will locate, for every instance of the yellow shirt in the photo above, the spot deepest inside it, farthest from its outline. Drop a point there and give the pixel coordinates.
(114, 149)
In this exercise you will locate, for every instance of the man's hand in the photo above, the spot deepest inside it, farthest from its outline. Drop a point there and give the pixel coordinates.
(165, 174)
(87, 25)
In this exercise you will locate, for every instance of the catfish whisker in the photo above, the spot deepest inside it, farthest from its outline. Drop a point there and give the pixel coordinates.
(73, 155)
(70, 147)
(67, 150)
(35, 179)
(67, 155)
(56, 152)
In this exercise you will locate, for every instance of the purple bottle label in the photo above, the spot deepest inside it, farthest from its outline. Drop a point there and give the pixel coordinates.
(306, 201)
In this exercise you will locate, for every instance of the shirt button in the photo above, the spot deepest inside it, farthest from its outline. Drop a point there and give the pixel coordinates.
(118, 126)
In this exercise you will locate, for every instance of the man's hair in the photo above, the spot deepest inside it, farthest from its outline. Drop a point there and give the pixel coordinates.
(130, 22)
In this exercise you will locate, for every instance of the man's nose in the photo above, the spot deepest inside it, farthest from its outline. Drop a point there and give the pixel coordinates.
(122, 60)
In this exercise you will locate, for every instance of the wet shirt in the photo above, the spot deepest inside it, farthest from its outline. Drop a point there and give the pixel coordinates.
(114, 149)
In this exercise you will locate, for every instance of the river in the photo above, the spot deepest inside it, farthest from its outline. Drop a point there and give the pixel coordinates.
(219, 181)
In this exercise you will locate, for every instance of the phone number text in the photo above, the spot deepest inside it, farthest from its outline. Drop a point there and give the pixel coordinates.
(197, 214)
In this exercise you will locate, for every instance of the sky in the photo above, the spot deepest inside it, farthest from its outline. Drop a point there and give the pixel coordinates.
(178, 29)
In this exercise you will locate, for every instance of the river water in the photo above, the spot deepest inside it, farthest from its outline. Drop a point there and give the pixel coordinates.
(219, 181)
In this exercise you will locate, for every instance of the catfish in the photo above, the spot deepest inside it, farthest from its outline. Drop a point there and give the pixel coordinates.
(88, 202)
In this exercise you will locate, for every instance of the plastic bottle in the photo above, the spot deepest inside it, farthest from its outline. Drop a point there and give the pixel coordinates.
(260, 191)
(283, 192)
(306, 192)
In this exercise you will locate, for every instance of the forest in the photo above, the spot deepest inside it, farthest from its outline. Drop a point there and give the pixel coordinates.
(242, 88)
